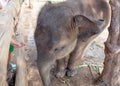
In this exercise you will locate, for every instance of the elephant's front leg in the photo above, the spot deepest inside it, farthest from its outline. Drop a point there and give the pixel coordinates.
(75, 58)
(44, 66)
(60, 68)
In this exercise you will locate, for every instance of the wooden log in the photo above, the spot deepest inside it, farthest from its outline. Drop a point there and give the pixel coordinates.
(7, 23)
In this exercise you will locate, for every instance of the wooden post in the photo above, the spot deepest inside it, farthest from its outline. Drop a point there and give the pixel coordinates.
(5, 36)
(21, 78)
(21, 75)
(8, 17)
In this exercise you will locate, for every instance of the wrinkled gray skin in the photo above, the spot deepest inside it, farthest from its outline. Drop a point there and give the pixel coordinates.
(65, 29)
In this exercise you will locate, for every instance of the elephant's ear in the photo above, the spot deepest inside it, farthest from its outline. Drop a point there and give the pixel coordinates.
(81, 20)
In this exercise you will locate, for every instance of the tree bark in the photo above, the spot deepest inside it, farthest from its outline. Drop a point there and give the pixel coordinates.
(111, 72)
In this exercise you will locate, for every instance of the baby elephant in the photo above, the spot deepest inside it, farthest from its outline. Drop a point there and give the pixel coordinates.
(58, 33)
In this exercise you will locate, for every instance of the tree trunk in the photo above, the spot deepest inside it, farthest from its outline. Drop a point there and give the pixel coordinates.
(111, 72)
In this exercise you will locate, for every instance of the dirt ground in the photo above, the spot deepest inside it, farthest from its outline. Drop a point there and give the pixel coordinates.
(88, 70)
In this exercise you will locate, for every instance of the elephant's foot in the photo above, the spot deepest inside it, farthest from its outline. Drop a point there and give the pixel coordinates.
(60, 74)
(71, 73)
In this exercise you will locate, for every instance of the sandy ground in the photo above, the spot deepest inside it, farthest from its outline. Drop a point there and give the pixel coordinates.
(89, 66)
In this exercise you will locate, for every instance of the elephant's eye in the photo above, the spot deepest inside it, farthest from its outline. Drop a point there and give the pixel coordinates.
(101, 20)
(59, 49)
